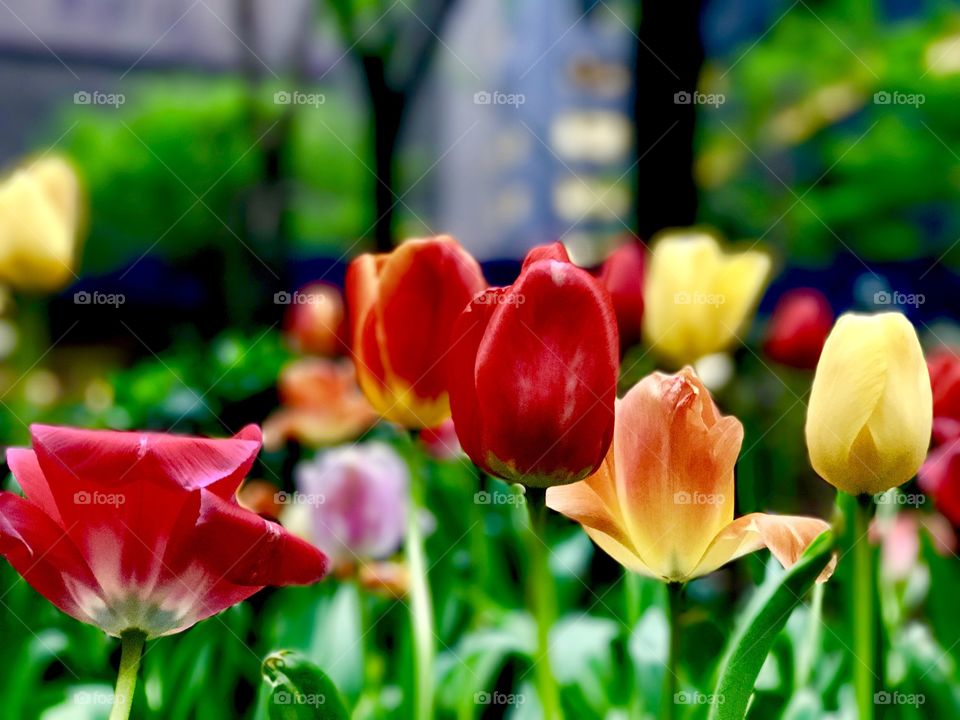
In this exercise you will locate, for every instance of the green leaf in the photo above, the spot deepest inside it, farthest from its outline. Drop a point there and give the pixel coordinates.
(754, 637)
(300, 690)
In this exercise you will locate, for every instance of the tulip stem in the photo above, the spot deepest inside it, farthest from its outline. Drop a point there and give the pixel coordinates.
(421, 606)
(863, 608)
(131, 648)
(670, 677)
(542, 602)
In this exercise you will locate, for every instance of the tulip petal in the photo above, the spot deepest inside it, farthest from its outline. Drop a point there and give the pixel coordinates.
(462, 370)
(105, 459)
(247, 549)
(25, 468)
(551, 251)
(46, 558)
(786, 536)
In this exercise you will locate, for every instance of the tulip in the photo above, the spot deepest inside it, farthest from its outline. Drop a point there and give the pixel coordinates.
(321, 405)
(358, 498)
(944, 367)
(798, 328)
(622, 275)
(939, 477)
(533, 377)
(870, 412)
(662, 504)
(141, 532)
(697, 298)
(39, 225)
(314, 319)
(403, 306)
(441, 442)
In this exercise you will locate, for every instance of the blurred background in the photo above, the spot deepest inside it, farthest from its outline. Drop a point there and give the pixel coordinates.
(232, 151)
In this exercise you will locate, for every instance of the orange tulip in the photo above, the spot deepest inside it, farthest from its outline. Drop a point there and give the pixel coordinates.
(402, 309)
(662, 503)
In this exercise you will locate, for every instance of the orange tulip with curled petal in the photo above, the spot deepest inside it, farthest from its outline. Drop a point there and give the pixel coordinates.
(403, 306)
(662, 503)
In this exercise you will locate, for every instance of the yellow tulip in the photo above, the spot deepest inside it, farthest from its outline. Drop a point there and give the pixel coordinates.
(871, 407)
(39, 225)
(697, 297)
(662, 503)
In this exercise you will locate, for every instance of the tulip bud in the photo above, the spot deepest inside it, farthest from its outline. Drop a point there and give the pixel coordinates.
(696, 297)
(314, 319)
(870, 411)
(358, 498)
(533, 375)
(798, 328)
(402, 309)
(39, 219)
(622, 275)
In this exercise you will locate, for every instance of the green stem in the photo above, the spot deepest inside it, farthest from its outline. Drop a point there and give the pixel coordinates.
(540, 590)
(131, 648)
(670, 679)
(421, 606)
(631, 593)
(863, 608)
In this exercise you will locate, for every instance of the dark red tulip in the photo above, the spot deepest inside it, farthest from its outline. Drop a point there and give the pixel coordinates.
(798, 328)
(622, 275)
(533, 375)
(142, 531)
(944, 367)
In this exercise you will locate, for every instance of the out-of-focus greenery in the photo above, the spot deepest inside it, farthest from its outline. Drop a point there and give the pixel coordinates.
(172, 171)
(807, 156)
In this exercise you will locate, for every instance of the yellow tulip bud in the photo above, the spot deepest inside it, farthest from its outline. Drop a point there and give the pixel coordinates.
(696, 297)
(39, 219)
(871, 407)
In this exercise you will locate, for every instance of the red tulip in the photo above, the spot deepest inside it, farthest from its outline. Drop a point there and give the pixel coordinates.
(798, 328)
(622, 275)
(939, 477)
(314, 321)
(403, 306)
(142, 531)
(944, 367)
(533, 379)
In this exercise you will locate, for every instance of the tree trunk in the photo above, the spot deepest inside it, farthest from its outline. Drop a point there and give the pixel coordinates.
(668, 61)
(387, 106)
